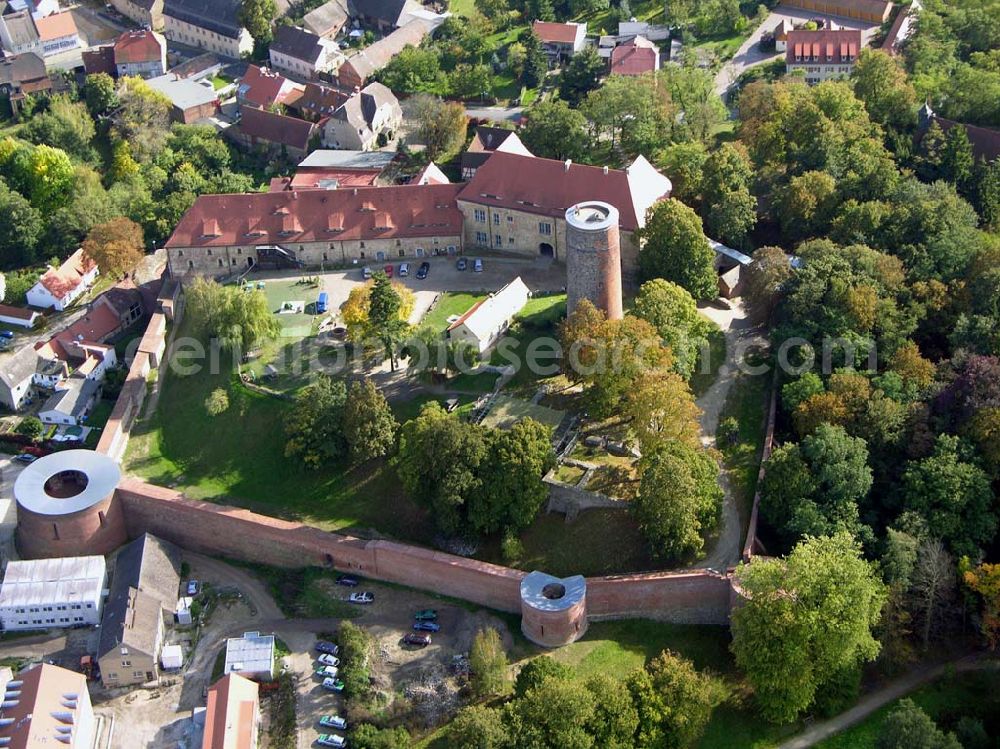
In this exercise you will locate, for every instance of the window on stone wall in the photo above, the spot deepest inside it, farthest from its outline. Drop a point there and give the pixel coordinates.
(545, 228)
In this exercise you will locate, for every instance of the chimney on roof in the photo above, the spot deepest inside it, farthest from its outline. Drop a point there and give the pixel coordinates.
(605, 170)
(567, 164)
(355, 191)
(295, 195)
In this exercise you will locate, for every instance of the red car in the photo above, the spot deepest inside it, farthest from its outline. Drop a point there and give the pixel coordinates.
(388, 271)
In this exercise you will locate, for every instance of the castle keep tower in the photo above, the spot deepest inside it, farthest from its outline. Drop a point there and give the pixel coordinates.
(593, 257)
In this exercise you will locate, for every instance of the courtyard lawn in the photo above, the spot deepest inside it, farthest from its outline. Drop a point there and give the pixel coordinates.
(537, 320)
(507, 411)
(449, 303)
(409, 409)
(96, 420)
(747, 403)
(598, 542)
(238, 458)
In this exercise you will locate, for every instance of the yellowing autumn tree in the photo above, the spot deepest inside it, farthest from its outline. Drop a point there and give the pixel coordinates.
(354, 311)
(116, 246)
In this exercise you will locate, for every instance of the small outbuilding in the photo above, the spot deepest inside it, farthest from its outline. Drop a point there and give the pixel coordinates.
(171, 657)
(251, 655)
(488, 319)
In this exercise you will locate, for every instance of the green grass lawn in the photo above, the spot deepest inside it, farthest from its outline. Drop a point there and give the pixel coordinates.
(308, 592)
(449, 303)
(410, 409)
(946, 700)
(538, 319)
(243, 463)
(97, 419)
(507, 411)
(465, 8)
(747, 403)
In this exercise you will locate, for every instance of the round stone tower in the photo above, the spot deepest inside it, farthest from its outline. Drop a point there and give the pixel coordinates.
(553, 610)
(67, 506)
(593, 257)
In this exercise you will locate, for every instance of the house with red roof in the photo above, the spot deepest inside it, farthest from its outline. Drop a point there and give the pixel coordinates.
(141, 53)
(259, 127)
(822, 55)
(636, 57)
(560, 39)
(20, 316)
(60, 287)
(232, 715)
(264, 88)
(57, 33)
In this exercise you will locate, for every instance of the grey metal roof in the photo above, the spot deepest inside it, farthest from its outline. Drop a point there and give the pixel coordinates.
(21, 28)
(184, 93)
(329, 18)
(101, 471)
(535, 585)
(18, 366)
(72, 399)
(729, 252)
(348, 159)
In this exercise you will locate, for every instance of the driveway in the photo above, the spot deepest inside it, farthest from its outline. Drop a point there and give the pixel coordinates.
(750, 53)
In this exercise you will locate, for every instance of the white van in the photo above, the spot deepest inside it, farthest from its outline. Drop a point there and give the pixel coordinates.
(404, 269)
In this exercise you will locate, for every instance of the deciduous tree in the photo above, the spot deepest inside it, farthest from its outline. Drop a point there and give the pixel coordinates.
(580, 76)
(909, 727)
(116, 246)
(315, 424)
(369, 425)
(142, 118)
(440, 126)
(237, 319)
(673, 312)
(488, 663)
(555, 131)
(478, 727)
(676, 249)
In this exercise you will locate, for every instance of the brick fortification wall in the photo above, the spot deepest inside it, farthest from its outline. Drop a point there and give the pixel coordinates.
(693, 597)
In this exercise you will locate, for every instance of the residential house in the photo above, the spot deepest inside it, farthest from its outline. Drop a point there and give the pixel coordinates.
(17, 375)
(47, 706)
(363, 64)
(366, 121)
(37, 8)
(99, 60)
(303, 53)
(264, 88)
(145, 13)
(318, 102)
(328, 19)
(60, 287)
(192, 99)
(384, 15)
(822, 55)
(636, 57)
(869, 11)
(560, 40)
(144, 589)
(222, 233)
(212, 25)
(250, 656)
(780, 35)
(488, 319)
(485, 141)
(18, 34)
(21, 75)
(44, 593)
(258, 127)
(20, 316)
(232, 714)
(518, 204)
(140, 53)
(57, 33)
(71, 402)
(985, 141)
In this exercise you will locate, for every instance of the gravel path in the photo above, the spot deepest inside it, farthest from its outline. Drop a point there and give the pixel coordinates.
(738, 331)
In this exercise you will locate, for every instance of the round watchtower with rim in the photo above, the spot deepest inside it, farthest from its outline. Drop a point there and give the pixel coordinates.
(553, 609)
(67, 507)
(593, 257)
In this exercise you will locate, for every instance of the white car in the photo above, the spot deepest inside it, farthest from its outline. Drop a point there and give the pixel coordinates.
(328, 660)
(331, 739)
(365, 597)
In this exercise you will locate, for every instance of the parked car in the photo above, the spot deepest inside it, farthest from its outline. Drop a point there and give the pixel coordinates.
(326, 672)
(331, 739)
(327, 647)
(388, 270)
(349, 580)
(25, 458)
(426, 627)
(419, 640)
(365, 597)
(426, 615)
(333, 685)
(6, 334)
(321, 302)
(423, 270)
(328, 660)
(193, 587)
(477, 265)
(462, 264)
(404, 269)
(333, 721)
(65, 438)
(366, 272)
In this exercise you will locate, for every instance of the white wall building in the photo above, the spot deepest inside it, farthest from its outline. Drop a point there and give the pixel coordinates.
(62, 286)
(45, 593)
(488, 319)
(251, 655)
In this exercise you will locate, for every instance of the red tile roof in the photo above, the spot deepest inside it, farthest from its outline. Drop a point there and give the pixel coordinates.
(100, 60)
(230, 713)
(547, 187)
(262, 87)
(137, 46)
(319, 216)
(55, 26)
(64, 279)
(19, 313)
(985, 141)
(260, 124)
(826, 46)
(633, 58)
(100, 322)
(558, 33)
